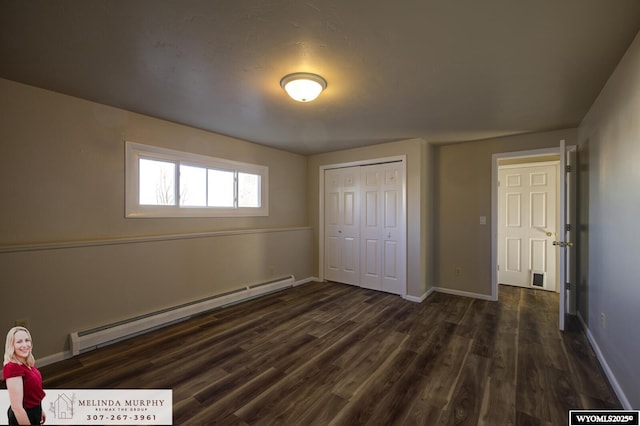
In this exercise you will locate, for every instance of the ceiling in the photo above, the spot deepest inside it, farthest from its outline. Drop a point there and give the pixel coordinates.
(444, 71)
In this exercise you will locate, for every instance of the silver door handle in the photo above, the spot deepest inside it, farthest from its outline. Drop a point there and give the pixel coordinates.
(563, 244)
(549, 234)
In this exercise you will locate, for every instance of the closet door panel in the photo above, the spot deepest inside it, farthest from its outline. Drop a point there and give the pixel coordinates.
(393, 230)
(333, 259)
(365, 226)
(350, 227)
(371, 214)
(342, 226)
(390, 257)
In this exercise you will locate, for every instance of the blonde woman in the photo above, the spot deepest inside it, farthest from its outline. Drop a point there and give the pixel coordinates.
(24, 381)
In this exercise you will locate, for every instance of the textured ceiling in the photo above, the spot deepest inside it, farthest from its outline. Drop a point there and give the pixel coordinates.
(441, 70)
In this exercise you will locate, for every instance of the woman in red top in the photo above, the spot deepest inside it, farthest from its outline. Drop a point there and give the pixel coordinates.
(24, 381)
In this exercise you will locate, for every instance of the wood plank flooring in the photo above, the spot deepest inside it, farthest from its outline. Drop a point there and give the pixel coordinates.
(326, 353)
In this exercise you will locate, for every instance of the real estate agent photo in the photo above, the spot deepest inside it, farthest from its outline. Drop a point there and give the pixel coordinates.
(23, 379)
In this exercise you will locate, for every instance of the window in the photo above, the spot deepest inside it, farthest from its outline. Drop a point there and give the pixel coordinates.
(163, 182)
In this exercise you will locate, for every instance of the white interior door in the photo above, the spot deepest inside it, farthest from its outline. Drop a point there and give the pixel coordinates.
(365, 229)
(342, 226)
(527, 223)
(563, 243)
(393, 230)
(382, 229)
(371, 215)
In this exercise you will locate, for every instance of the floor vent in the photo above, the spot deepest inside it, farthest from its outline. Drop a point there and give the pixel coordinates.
(86, 340)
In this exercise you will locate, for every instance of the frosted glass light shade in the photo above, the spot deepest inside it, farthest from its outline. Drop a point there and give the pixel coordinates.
(303, 87)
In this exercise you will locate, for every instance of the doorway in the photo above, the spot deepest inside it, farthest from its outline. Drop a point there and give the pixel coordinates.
(515, 159)
(528, 222)
(566, 220)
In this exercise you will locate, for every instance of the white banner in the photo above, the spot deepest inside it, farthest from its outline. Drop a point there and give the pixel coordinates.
(102, 406)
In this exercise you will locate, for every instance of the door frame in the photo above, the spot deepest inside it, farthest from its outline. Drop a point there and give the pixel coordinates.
(534, 163)
(495, 158)
(396, 158)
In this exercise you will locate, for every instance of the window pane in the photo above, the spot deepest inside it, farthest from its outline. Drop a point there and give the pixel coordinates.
(162, 182)
(157, 182)
(220, 188)
(248, 190)
(193, 186)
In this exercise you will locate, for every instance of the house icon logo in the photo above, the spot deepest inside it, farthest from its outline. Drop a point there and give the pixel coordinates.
(62, 407)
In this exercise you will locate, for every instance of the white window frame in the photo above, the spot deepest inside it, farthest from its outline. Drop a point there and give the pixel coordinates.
(133, 208)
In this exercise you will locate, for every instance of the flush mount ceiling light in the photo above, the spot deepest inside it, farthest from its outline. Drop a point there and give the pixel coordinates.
(303, 86)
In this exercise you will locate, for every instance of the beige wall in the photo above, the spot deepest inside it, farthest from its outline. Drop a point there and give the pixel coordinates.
(462, 195)
(63, 168)
(609, 231)
(62, 183)
(419, 213)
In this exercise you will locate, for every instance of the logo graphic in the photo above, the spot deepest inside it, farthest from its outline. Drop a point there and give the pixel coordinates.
(62, 407)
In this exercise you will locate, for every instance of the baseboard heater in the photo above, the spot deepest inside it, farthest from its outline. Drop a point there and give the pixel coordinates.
(86, 340)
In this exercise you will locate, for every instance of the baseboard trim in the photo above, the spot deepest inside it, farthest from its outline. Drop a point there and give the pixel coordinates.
(306, 280)
(51, 359)
(420, 299)
(605, 366)
(464, 293)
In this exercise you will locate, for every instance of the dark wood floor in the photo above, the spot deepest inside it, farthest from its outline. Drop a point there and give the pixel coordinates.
(326, 353)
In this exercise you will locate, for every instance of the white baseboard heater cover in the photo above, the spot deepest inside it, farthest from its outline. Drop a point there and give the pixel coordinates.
(82, 341)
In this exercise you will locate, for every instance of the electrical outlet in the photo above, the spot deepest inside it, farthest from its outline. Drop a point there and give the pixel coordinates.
(458, 271)
(22, 323)
(603, 320)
